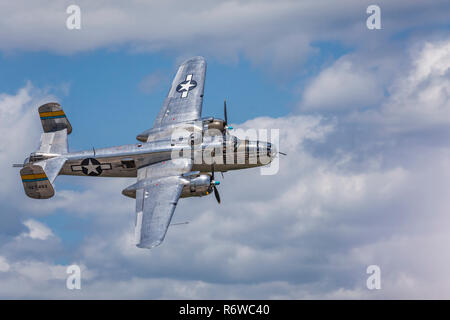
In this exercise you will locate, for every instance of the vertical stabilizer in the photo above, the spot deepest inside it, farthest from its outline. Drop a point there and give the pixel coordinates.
(36, 183)
(53, 118)
(56, 127)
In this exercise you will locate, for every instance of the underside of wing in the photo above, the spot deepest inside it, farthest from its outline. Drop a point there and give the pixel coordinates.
(185, 98)
(158, 189)
(155, 205)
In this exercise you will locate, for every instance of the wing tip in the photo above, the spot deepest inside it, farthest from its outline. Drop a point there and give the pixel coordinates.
(148, 244)
(195, 59)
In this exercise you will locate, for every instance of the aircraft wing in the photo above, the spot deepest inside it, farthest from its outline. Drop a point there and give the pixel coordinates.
(185, 97)
(158, 189)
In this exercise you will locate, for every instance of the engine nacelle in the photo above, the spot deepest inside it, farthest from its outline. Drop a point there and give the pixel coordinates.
(197, 187)
(194, 186)
(213, 126)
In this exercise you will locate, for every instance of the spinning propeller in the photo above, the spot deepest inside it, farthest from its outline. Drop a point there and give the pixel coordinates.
(215, 183)
(226, 126)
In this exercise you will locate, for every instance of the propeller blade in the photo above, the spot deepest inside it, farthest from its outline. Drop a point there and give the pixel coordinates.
(225, 111)
(216, 193)
(214, 183)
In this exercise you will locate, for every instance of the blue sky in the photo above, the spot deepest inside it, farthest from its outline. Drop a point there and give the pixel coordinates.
(364, 116)
(101, 94)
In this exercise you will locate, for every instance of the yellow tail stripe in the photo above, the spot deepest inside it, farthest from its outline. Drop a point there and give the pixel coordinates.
(52, 113)
(34, 176)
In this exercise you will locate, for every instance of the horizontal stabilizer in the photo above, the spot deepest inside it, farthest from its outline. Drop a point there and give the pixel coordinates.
(52, 167)
(54, 142)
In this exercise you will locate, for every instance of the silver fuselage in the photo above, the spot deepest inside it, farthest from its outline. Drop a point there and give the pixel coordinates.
(123, 161)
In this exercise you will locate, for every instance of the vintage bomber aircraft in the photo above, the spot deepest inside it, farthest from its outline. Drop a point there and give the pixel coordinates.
(161, 178)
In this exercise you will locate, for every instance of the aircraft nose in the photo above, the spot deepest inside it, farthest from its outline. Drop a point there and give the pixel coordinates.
(270, 149)
(273, 150)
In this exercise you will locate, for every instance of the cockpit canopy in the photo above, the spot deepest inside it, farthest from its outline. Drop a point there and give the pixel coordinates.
(226, 140)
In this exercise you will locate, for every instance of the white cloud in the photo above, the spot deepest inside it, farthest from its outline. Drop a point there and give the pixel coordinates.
(342, 86)
(421, 97)
(4, 266)
(40, 271)
(153, 81)
(37, 230)
(413, 96)
(19, 130)
(278, 35)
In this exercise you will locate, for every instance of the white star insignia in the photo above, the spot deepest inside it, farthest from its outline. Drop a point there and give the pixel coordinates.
(186, 86)
(90, 167)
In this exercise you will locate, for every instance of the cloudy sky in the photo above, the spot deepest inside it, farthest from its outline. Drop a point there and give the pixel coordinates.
(364, 116)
